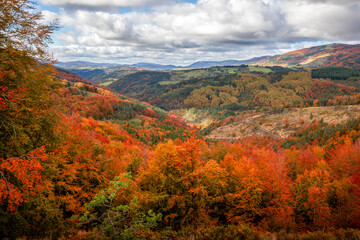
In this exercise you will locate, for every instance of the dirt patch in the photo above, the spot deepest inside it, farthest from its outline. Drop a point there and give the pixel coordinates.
(282, 125)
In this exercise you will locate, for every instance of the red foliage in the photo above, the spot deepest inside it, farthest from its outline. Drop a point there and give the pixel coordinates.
(96, 106)
(320, 89)
(25, 180)
(8, 95)
(70, 77)
(150, 113)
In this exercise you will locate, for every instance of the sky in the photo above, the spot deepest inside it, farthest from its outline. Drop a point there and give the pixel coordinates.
(181, 32)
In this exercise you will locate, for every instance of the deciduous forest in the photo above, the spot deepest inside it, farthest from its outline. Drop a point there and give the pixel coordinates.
(82, 161)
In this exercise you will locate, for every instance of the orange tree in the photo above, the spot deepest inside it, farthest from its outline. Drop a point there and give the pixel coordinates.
(172, 182)
(26, 121)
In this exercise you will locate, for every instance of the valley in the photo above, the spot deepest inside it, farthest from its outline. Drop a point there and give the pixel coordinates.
(266, 148)
(232, 102)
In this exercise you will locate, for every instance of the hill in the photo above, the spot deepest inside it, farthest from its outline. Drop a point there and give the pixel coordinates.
(79, 67)
(107, 148)
(283, 124)
(233, 88)
(94, 72)
(206, 64)
(154, 66)
(83, 64)
(78, 161)
(336, 55)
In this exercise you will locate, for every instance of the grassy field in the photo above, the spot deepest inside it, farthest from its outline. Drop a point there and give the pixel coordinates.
(107, 83)
(168, 82)
(259, 69)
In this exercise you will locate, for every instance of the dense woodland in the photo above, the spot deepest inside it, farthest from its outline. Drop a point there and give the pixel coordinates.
(337, 73)
(79, 161)
(247, 88)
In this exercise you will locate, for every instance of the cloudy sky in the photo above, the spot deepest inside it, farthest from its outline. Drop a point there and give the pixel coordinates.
(183, 31)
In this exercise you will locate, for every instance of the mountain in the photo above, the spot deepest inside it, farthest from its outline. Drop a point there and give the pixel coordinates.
(63, 74)
(91, 66)
(69, 76)
(339, 55)
(203, 64)
(336, 55)
(234, 88)
(200, 64)
(78, 140)
(154, 66)
(87, 73)
(94, 71)
(83, 64)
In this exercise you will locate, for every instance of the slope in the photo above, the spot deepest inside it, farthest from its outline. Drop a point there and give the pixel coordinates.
(340, 55)
(230, 88)
(283, 124)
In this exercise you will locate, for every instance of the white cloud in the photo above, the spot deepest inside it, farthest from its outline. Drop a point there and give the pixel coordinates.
(102, 3)
(49, 17)
(220, 29)
(183, 25)
(323, 20)
(181, 57)
(336, 2)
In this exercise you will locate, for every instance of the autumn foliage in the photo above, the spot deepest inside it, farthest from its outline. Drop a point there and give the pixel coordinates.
(65, 146)
(308, 182)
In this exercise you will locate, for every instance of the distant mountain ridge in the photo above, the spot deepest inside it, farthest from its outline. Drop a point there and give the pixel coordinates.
(83, 64)
(336, 55)
(154, 66)
(340, 55)
(202, 64)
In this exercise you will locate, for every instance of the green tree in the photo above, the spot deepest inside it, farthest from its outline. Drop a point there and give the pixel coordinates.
(117, 221)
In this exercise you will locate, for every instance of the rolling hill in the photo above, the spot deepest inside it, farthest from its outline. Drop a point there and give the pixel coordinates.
(233, 88)
(89, 69)
(335, 55)
(83, 64)
(206, 64)
(80, 161)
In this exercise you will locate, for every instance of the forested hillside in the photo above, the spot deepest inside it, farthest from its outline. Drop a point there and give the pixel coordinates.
(332, 55)
(236, 88)
(78, 161)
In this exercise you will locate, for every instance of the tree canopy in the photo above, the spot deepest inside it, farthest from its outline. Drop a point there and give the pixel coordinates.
(24, 29)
